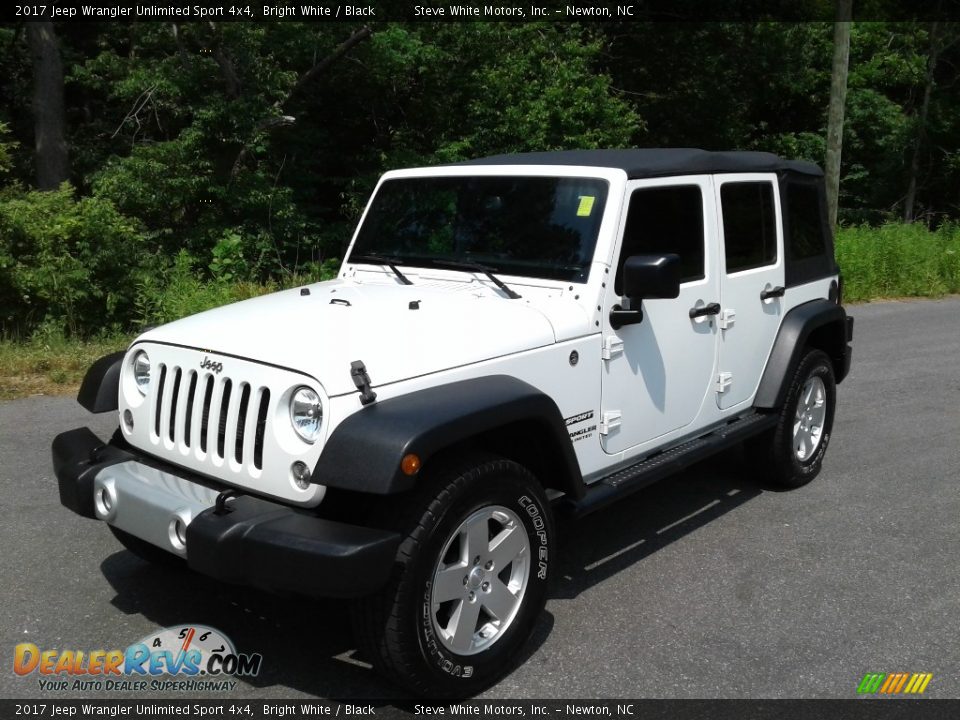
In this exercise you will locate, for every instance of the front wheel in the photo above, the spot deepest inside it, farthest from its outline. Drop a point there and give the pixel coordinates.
(796, 448)
(470, 580)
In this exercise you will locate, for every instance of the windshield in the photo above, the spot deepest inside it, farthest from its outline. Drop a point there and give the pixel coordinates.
(543, 227)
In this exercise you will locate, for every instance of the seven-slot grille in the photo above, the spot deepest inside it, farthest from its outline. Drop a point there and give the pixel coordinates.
(212, 417)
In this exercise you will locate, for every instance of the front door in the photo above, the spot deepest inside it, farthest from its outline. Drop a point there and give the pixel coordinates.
(657, 373)
(752, 282)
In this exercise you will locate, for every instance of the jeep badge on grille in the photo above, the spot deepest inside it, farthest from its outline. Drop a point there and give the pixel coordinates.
(208, 364)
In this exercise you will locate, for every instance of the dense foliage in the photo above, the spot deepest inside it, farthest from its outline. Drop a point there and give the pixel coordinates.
(209, 162)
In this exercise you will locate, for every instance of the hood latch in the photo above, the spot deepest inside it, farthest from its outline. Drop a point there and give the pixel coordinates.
(360, 378)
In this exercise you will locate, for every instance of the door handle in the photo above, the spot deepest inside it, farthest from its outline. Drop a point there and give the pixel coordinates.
(711, 309)
(772, 292)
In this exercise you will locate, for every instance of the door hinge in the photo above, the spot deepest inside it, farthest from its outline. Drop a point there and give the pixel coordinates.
(611, 420)
(727, 317)
(724, 381)
(612, 346)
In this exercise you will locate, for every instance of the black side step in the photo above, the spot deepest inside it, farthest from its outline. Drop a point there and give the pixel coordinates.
(656, 467)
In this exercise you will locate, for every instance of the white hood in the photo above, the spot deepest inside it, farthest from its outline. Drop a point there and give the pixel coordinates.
(320, 334)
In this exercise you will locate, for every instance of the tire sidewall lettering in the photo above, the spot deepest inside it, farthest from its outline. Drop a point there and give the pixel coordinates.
(539, 534)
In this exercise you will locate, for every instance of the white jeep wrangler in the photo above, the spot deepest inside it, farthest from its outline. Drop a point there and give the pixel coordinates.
(507, 338)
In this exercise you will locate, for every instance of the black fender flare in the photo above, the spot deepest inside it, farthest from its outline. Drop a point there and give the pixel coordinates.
(795, 331)
(101, 385)
(363, 452)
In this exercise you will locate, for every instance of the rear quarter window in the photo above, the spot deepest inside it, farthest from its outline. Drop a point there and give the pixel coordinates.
(806, 233)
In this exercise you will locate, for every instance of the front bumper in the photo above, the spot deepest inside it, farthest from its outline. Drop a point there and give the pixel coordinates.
(249, 541)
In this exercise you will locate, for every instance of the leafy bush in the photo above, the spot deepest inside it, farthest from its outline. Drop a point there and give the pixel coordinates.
(899, 260)
(7, 147)
(228, 262)
(64, 261)
(168, 291)
(178, 191)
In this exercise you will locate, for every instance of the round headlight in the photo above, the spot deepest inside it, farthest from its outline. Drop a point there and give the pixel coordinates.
(306, 413)
(141, 371)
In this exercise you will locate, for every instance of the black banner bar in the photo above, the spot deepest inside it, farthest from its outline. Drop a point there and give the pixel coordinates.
(854, 709)
(500, 11)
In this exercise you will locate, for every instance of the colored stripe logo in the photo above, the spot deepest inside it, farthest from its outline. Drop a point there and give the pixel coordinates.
(894, 683)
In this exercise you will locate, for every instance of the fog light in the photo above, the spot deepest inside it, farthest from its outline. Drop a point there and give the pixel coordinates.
(301, 475)
(177, 534)
(106, 501)
(128, 420)
(180, 530)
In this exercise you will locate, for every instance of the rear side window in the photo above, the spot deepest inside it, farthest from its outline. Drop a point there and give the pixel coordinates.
(665, 220)
(749, 225)
(806, 226)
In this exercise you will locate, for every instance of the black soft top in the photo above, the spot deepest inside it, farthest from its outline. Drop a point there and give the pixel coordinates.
(659, 162)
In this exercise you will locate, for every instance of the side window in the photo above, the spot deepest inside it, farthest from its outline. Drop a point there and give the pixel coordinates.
(665, 220)
(749, 225)
(805, 224)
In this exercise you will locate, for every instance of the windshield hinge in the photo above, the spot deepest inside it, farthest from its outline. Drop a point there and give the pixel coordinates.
(360, 378)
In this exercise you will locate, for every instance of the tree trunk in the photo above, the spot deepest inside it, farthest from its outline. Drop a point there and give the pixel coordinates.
(838, 99)
(909, 203)
(52, 161)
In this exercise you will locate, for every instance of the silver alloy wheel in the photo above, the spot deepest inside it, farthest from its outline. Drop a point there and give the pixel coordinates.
(810, 417)
(480, 580)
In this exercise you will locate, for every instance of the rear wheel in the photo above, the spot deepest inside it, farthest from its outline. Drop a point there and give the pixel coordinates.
(794, 451)
(469, 583)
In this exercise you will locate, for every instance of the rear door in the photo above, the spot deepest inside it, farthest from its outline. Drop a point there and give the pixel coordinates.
(751, 282)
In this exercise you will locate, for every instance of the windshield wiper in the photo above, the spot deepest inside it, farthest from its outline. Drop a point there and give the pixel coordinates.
(390, 262)
(477, 267)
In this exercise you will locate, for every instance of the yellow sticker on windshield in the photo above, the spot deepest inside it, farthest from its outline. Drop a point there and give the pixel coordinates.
(586, 206)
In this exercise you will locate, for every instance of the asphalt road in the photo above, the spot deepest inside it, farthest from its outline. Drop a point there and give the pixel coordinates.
(707, 585)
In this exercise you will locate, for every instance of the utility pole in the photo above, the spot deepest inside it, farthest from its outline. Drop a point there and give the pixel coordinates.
(838, 99)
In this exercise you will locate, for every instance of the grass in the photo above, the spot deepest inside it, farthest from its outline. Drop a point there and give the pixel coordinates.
(51, 365)
(897, 260)
(890, 261)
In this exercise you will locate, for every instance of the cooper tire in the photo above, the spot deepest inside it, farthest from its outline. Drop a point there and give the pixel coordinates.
(431, 631)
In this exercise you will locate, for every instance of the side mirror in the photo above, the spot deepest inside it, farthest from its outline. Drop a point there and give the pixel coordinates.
(646, 276)
(651, 276)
